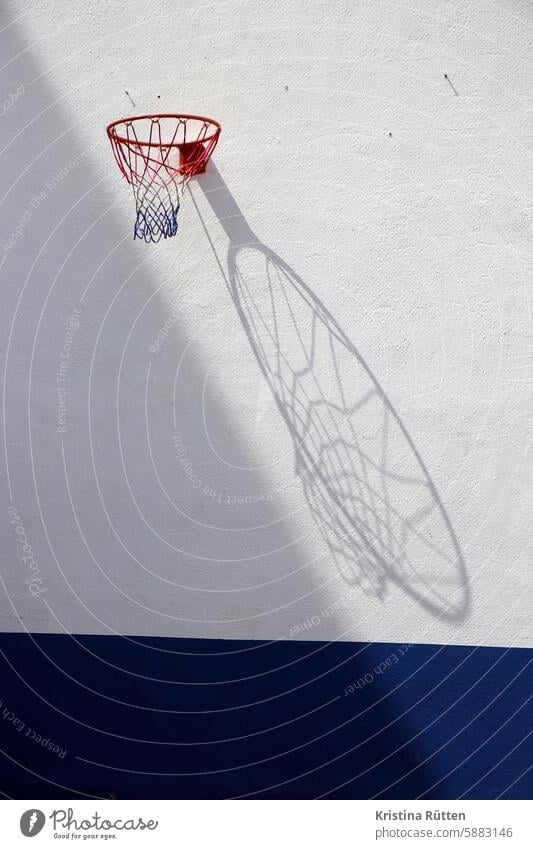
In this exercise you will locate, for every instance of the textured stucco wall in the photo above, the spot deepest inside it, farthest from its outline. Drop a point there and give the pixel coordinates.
(333, 438)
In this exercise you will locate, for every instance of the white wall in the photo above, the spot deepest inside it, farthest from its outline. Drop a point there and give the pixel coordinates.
(347, 308)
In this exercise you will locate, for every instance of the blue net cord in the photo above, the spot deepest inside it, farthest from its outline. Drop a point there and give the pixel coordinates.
(156, 221)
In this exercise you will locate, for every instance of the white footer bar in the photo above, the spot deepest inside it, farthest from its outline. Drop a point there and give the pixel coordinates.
(267, 824)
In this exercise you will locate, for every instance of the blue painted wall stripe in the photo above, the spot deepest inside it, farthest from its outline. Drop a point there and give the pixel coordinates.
(181, 718)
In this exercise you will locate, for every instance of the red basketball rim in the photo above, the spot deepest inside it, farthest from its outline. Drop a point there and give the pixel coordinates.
(112, 132)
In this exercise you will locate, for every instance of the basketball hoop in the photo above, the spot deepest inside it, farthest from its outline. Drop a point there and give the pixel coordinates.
(158, 154)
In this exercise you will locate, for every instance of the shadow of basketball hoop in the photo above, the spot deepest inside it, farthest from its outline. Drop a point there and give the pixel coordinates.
(366, 485)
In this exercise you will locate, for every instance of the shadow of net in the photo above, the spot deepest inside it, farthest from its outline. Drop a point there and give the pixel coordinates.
(364, 481)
